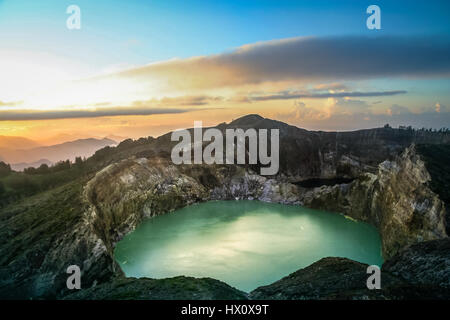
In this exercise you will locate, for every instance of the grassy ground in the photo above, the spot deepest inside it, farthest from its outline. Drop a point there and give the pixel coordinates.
(39, 219)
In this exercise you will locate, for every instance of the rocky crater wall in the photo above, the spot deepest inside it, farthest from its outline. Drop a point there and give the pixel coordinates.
(396, 199)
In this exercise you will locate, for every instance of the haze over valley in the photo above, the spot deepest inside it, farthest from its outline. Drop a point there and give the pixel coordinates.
(22, 153)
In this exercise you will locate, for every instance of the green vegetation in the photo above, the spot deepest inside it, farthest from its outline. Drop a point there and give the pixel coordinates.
(15, 186)
(18, 185)
(5, 169)
(28, 229)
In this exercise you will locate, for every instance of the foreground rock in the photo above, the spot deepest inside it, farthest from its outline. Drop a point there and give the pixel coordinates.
(329, 278)
(419, 272)
(44, 235)
(426, 263)
(178, 288)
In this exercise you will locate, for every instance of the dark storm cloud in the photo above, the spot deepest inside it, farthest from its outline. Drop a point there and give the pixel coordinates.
(307, 58)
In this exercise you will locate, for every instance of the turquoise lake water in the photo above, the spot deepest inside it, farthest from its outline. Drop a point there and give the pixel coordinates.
(246, 244)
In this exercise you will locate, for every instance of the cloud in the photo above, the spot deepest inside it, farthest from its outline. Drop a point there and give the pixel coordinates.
(102, 109)
(367, 120)
(331, 86)
(349, 114)
(305, 59)
(10, 103)
(301, 111)
(182, 101)
(396, 109)
(293, 95)
(330, 108)
(22, 115)
(440, 108)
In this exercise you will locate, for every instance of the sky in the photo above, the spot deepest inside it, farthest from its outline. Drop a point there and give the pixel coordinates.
(140, 68)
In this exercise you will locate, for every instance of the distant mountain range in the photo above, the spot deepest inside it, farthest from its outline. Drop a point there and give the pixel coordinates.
(8, 142)
(22, 165)
(28, 154)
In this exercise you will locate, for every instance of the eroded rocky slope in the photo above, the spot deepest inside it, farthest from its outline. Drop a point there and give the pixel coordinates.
(397, 200)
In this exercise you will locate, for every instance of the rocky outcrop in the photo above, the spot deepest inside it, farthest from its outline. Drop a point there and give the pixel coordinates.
(328, 278)
(250, 186)
(120, 196)
(397, 200)
(426, 263)
(42, 237)
(177, 288)
(421, 271)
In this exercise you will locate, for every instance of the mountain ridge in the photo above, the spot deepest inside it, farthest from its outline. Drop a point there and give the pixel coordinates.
(54, 153)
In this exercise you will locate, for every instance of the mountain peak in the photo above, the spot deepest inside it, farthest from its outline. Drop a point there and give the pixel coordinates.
(248, 119)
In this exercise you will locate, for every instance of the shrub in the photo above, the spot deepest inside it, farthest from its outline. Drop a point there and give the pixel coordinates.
(5, 169)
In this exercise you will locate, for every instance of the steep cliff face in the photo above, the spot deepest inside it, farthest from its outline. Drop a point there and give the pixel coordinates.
(42, 237)
(123, 194)
(397, 200)
(247, 185)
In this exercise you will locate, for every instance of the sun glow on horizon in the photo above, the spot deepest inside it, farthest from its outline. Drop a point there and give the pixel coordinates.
(144, 69)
